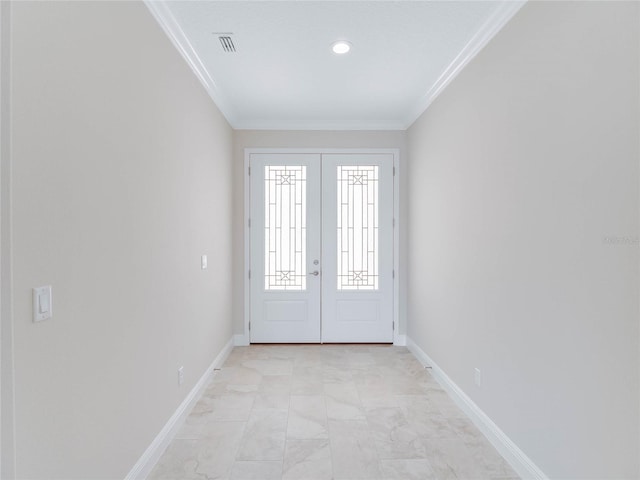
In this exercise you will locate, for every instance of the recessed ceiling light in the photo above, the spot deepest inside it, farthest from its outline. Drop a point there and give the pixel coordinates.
(341, 47)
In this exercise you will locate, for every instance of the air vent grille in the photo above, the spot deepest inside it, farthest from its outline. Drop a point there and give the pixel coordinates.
(227, 43)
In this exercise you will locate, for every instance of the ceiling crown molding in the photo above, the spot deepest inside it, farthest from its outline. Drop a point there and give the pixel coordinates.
(499, 18)
(170, 25)
(316, 125)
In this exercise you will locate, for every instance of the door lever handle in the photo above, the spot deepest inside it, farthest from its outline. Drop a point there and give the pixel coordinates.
(315, 273)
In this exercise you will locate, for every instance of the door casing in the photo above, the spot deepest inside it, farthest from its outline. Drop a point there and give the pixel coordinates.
(244, 338)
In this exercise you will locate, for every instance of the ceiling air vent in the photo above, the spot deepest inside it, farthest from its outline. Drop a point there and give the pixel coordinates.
(227, 43)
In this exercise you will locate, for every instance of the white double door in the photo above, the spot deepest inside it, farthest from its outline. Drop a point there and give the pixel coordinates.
(321, 248)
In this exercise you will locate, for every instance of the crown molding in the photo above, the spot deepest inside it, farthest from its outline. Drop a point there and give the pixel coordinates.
(169, 24)
(317, 125)
(499, 18)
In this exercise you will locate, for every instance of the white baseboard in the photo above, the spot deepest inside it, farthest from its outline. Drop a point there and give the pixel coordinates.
(241, 340)
(400, 340)
(152, 454)
(518, 460)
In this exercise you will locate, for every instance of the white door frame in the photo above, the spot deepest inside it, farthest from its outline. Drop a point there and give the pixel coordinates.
(244, 339)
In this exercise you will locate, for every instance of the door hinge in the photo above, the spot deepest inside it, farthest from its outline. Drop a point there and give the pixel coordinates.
(249, 170)
(393, 326)
(394, 223)
(249, 223)
(249, 274)
(249, 326)
(394, 171)
(393, 273)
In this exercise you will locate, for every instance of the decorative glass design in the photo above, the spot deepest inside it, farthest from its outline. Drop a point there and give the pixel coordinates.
(357, 227)
(285, 232)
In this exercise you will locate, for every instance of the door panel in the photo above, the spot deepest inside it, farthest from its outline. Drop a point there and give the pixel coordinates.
(357, 242)
(321, 248)
(285, 239)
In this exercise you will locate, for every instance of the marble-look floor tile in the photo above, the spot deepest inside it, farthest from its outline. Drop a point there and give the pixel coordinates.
(415, 469)
(486, 455)
(368, 377)
(406, 385)
(211, 456)
(264, 436)
(394, 437)
(219, 388)
(482, 450)
(425, 417)
(275, 384)
(310, 384)
(239, 375)
(377, 395)
(238, 355)
(343, 402)
(450, 458)
(353, 453)
(270, 366)
(255, 470)
(335, 374)
(308, 367)
(224, 407)
(307, 460)
(377, 401)
(360, 358)
(268, 401)
(444, 404)
(315, 412)
(417, 404)
(307, 417)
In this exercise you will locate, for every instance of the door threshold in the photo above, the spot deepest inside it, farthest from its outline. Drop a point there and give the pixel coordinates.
(325, 343)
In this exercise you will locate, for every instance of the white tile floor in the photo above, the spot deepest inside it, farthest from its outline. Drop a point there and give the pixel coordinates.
(307, 412)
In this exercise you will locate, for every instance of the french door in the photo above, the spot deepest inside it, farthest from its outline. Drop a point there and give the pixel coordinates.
(321, 248)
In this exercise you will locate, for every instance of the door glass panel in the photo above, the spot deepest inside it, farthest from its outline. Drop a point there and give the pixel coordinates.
(285, 234)
(357, 227)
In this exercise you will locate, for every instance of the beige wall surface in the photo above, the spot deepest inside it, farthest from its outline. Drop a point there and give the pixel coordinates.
(307, 139)
(523, 234)
(121, 180)
(6, 326)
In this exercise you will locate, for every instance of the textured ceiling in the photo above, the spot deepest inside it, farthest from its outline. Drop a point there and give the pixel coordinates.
(284, 74)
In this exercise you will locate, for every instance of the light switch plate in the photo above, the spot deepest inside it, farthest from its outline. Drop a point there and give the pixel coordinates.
(42, 303)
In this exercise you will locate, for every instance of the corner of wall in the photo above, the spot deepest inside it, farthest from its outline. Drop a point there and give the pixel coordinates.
(152, 454)
(7, 434)
(518, 460)
(240, 340)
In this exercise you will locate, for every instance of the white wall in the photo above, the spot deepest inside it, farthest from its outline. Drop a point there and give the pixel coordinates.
(121, 180)
(6, 326)
(523, 234)
(307, 139)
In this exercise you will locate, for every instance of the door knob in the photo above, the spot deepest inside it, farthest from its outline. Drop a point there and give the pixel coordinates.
(315, 273)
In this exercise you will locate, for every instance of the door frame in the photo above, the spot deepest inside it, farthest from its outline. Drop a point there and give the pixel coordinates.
(245, 338)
